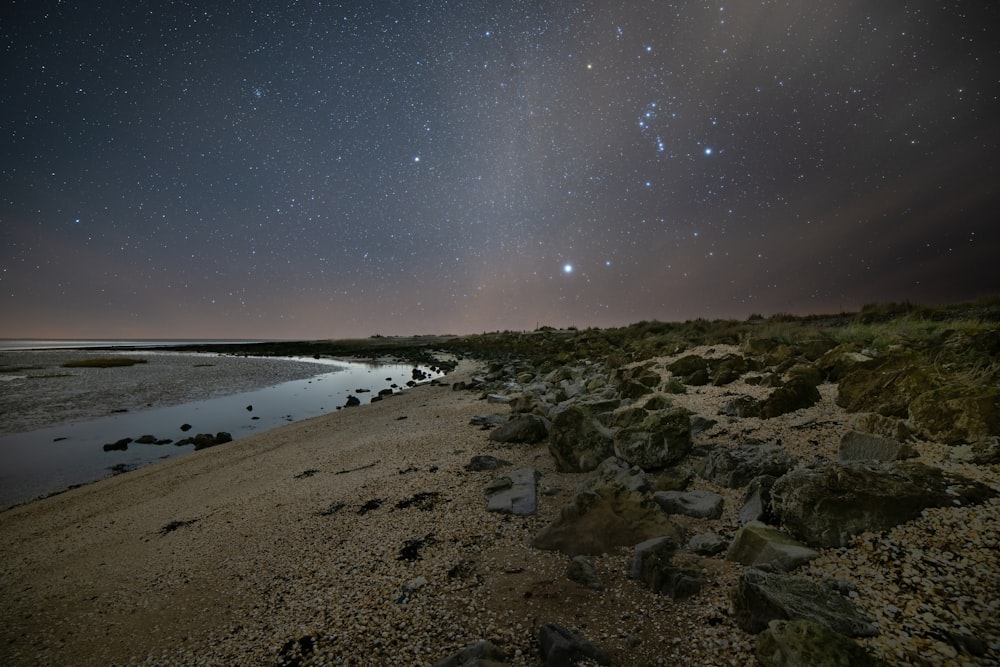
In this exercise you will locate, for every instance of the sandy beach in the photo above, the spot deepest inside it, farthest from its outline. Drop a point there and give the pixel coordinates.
(360, 538)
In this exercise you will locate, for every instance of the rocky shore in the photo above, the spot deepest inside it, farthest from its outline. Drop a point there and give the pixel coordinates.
(721, 504)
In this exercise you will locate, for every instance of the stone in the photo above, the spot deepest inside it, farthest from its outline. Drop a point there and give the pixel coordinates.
(527, 429)
(698, 503)
(827, 504)
(757, 500)
(735, 467)
(841, 361)
(707, 544)
(761, 546)
(482, 462)
(477, 654)
(855, 446)
(582, 572)
(652, 563)
(661, 438)
(577, 441)
(352, 401)
(600, 520)
(563, 648)
(887, 389)
(498, 398)
(729, 369)
(809, 644)
(760, 598)
(673, 479)
(513, 493)
(794, 395)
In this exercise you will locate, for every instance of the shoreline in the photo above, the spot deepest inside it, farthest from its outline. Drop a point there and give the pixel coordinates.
(361, 538)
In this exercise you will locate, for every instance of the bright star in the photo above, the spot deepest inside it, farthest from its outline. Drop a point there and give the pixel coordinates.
(708, 151)
(567, 269)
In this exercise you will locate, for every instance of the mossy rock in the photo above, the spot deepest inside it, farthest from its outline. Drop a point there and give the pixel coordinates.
(888, 389)
(809, 644)
(794, 395)
(957, 414)
(688, 365)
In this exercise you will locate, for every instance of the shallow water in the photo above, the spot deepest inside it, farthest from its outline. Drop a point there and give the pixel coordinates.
(44, 460)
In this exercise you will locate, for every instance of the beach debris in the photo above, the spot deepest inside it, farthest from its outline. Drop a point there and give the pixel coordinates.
(175, 524)
(332, 509)
(307, 473)
(371, 505)
(411, 548)
(425, 500)
(369, 465)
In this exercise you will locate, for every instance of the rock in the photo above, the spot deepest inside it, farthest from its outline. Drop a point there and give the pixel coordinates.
(765, 547)
(729, 369)
(809, 644)
(186, 427)
(698, 424)
(740, 407)
(597, 521)
(582, 572)
(673, 479)
(527, 429)
(699, 504)
(482, 462)
(652, 563)
(707, 544)
(841, 361)
(757, 500)
(829, 503)
(794, 395)
(577, 441)
(206, 440)
(563, 648)
(957, 414)
(488, 421)
(146, 440)
(661, 438)
(805, 373)
(498, 398)
(118, 445)
(478, 654)
(688, 365)
(984, 452)
(513, 493)
(855, 446)
(352, 402)
(887, 389)
(734, 468)
(760, 598)
(876, 424)
(614, 472)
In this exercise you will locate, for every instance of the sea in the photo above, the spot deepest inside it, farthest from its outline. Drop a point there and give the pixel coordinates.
(57, 423)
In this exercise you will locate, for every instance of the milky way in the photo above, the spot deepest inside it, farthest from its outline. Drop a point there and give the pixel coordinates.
(314, 169)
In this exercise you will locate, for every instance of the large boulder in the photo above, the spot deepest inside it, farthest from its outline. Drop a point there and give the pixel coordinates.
(652, 563)
(660, 439)
(525, 428)
(689, 365)
(577, 441)
(841, 361)
(735, 467)
(957, 415)
(765, 547)
(698, 503)
(827, 504)
(760, 598)
(597, 521)
(809, 644)
(880, 425)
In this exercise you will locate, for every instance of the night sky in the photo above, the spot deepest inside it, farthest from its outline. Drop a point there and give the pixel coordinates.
(316, 169)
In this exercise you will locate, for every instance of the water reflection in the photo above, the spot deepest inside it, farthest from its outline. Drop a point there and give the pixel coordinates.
(43, 461)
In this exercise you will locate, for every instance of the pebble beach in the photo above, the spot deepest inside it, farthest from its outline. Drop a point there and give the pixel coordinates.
(360, 538)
